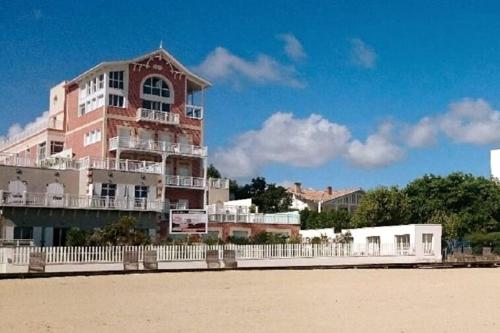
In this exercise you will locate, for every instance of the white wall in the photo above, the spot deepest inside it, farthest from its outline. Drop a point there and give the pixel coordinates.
(387, 236)
(495, 163)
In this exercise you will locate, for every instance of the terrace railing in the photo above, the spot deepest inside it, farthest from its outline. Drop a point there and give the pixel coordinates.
(184, 181)
(193, 111)
(50, 200)
(120, 165)
(168, 253)
(157, 116)
(32, 130)
(133, 143)
(279, 218)
(218, 183)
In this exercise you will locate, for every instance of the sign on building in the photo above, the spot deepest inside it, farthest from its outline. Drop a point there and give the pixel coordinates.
(188, 221)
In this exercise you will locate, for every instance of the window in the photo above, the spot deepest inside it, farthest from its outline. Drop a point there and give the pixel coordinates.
(81, 109)
(373, 245)
(108, 190)
(42, 151)
(141, 191)
(23, 232)
(402, 243)
(88, 87)
(91, 137)
(101, 82)
(427, 243)
(156, 86)
(240, 234)
(56, 147)
(115, 100)
(94, 84)
(157, 106)
(116, 80)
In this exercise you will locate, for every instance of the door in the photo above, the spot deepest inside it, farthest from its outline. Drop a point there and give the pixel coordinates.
(124, 134)
(59, 237)
(55, 194)
(165, 141)
(16, 190)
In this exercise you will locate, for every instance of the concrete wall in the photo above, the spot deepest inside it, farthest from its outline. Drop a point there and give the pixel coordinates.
(37, 179)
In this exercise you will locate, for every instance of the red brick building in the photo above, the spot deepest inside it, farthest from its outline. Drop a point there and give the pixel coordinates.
(124, 136)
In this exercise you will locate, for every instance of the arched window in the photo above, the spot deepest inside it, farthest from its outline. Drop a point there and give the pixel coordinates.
(156, 86)
(156, 94)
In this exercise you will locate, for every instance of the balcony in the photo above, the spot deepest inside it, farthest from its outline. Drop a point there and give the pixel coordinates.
(136, 144)
(161, 117)
(30, 130)
(70, 201)
(193, 111)
(218, 183)
(120, 165)
(184, 182)
(291, 218)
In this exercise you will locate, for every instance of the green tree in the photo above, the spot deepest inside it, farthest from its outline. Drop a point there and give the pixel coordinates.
(270, 198)
(78, 237)
(212, 172)
(121, 232)
(472, 203)
(338, 219)
(382, 206)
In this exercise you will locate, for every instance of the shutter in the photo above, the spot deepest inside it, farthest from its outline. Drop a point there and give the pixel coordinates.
(151, 200)
(97, 190)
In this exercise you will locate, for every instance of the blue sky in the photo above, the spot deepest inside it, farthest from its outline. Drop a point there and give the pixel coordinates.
(366, 94)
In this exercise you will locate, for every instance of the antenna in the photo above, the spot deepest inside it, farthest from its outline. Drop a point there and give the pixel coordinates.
(161, 44)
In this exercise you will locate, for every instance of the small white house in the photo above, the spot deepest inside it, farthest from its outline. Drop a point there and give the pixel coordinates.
(420, 240)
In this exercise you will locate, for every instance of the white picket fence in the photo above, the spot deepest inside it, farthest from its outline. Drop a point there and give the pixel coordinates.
(166, 253)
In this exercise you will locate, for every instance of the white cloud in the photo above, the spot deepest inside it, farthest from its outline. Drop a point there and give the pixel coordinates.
(16, 128)
(308, 142)
(422, 134)
(293, 48)
(222, 65)
(472, 121)
(362, 55)
(377, 151)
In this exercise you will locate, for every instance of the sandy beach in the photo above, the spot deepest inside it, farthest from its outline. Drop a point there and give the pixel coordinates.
(425, 300)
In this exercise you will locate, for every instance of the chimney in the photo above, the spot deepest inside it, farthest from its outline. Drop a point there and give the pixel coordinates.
(329, 190)
(297, 187)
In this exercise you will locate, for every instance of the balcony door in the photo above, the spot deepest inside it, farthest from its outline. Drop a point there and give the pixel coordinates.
(55, 194)
(124, 134)
(165, 140)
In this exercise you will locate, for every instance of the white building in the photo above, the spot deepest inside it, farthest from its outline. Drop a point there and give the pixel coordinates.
(329, 199)
(495, 163)
(420, 240)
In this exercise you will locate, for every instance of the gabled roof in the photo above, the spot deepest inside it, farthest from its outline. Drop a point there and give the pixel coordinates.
(309, 194)
(194, 77)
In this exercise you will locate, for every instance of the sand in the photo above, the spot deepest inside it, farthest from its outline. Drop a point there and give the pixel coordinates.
(425, 300)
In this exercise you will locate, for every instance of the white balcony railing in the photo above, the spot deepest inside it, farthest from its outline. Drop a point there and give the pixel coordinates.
(120, 165)
(157, 116)
(193, 111)
(133, 143)
(184, 181)
(279, 218)
(218, 183)
(32, 130)
(51, 200)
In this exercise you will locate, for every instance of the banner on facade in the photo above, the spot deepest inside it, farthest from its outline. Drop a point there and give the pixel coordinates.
(188, 221)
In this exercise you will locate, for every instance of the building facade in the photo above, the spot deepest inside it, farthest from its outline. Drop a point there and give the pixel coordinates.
(329, 199)
(124, 137)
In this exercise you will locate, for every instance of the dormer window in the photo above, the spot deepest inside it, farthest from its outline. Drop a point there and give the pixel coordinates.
(156, 86)
(156, 93)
